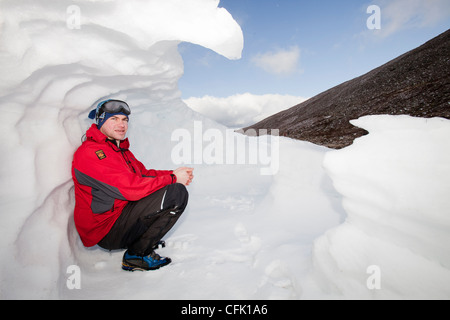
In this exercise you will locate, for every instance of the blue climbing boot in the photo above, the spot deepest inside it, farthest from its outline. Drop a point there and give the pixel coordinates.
(153, 261)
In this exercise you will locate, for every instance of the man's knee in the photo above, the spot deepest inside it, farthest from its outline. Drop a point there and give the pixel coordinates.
(176, 197)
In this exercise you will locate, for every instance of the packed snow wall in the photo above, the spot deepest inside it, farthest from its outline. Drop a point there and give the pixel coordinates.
(395, 242)
(58, 59)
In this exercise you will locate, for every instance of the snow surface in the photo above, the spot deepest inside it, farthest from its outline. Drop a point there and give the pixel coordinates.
(370, 221)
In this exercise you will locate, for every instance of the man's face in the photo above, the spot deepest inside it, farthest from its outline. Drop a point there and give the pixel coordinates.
(115, 127)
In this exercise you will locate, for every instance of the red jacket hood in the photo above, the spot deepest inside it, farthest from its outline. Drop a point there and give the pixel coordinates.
(96, 135)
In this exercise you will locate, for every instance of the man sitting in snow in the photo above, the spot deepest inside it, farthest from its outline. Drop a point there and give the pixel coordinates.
(119, 203)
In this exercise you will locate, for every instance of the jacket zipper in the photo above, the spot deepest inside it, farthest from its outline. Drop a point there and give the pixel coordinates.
(127, 160)
(124, 156)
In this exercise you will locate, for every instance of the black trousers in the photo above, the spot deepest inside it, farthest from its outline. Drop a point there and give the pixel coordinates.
(143, 223)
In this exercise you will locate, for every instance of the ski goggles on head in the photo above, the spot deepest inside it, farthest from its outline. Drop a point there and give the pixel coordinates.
(115, 106)
(110, 106)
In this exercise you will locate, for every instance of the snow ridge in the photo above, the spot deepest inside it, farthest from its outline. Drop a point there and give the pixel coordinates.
(395, 183)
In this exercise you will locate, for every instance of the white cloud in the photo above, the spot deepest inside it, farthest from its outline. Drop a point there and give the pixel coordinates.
(242, 110)
(281, 62)
(397, 15)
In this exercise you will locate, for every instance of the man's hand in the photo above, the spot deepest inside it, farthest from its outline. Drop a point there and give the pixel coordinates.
(184, 175)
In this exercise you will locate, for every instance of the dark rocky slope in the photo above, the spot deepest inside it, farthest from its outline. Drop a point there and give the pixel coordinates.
(417, 83)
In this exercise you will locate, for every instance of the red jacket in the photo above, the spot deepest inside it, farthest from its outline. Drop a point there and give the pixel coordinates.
(106, 178)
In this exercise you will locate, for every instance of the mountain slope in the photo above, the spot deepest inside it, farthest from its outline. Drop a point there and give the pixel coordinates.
(417, 83)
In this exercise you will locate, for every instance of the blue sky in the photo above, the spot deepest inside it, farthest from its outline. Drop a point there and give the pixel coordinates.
(303, 48)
